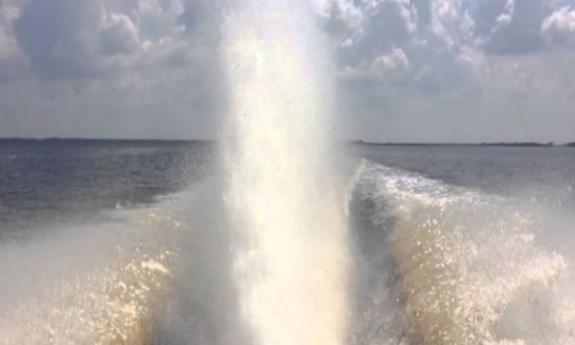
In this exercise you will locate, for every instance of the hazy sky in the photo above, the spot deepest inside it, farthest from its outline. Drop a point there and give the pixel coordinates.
(420, 70)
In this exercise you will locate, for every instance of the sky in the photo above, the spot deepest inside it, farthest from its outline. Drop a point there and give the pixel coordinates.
(405, 70)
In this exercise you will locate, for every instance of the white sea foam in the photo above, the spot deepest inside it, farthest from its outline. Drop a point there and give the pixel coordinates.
(88, 284)
(466, 267)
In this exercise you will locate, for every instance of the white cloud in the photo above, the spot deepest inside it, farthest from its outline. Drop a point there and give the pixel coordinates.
(506, 16)
(119, 35)
(394, 62)
(516, 30)
(135, 68)
(559, 27)
(8, 45)
(448, 61)
(460, 62)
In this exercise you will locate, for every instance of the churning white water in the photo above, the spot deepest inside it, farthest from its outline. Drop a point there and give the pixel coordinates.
(291, 262)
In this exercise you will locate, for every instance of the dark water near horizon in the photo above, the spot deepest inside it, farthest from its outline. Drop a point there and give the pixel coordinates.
(62, 180)
(118, 242)
(43, 181)
(58, 178)
(545, 174)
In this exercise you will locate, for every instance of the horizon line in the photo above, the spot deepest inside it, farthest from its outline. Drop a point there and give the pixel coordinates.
(350, 141)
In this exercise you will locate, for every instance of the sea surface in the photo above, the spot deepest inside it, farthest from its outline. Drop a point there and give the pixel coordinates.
(65, 180)
(126, 242)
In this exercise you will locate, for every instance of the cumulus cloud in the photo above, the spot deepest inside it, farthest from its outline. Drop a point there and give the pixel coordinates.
(358, 26)
(559, 28)
(60, 36)
(65, 39)
(109, 68)
(517, 28)
(403, 42)
(8, 13)
(392, 62)
(119, 35)
(11, 64)
(144, 67)
(456, 62)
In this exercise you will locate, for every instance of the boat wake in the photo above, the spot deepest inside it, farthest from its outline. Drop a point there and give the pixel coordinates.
(430, 263)
(97, 288)
(439, 264)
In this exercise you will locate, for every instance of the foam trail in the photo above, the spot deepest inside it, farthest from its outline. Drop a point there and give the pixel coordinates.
(465, 267)
(291, 263)
(59, 294)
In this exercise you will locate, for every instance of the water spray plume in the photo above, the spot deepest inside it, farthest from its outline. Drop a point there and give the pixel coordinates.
(291, 264)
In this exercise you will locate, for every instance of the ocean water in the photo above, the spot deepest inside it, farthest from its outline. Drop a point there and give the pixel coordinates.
(61, 180)
(133, 243)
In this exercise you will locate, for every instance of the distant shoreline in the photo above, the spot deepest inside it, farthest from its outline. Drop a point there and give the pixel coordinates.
(209, 141)
(103, 141)
(486, 144)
